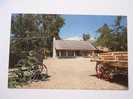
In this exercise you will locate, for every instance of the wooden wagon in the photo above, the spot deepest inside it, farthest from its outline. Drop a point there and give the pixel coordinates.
(112, 63)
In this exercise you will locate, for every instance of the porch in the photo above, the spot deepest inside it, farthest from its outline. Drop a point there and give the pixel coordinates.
(74, 53)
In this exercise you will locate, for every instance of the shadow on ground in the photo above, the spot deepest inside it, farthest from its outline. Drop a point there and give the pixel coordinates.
(119, 79)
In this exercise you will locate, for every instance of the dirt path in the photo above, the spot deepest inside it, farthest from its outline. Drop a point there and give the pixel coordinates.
(77, 73)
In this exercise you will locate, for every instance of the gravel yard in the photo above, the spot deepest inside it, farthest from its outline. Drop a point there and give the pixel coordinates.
(74, 73)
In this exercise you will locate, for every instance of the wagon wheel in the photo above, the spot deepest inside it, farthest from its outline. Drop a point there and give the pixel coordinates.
(40, 72)
(99, 70)
(108, 75)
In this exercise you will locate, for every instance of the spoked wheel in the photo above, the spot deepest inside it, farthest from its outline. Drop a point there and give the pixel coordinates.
(40, 72)
(108, 76)
(103, 73)
(99, 70)
(44, 69)
(44, 74)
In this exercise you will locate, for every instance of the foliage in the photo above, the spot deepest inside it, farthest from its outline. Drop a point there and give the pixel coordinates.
(31, 34)
(26, 67)
(105, 37)
(12, 83)
(114, 38)
(86, 36)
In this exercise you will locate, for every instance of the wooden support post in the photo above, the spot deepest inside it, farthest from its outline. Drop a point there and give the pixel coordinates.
(66, 53)
(93, 53)
(74, 54)
(59, 53)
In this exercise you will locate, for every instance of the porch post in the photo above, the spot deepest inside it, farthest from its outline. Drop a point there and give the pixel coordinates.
(74, 53)
(59, 53)
(93, 53)
(66, 53)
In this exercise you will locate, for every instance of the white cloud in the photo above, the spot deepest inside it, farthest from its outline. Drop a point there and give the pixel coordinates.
(78, 38)
(92, 39)
(74, 38)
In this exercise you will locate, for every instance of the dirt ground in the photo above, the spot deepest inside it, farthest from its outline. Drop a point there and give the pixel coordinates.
(74, 73)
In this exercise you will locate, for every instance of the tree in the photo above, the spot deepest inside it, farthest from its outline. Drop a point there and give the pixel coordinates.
(33, 32)
(114, 38)
(120, 35)
(86, 36)
(105, 37)
(51, 25)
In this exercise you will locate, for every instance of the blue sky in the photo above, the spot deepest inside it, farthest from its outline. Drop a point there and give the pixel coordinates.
(76, 25)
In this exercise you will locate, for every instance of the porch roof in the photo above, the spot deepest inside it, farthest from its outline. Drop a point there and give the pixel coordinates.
(73, 45)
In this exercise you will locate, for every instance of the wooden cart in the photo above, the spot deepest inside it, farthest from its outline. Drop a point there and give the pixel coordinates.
(112, 63)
